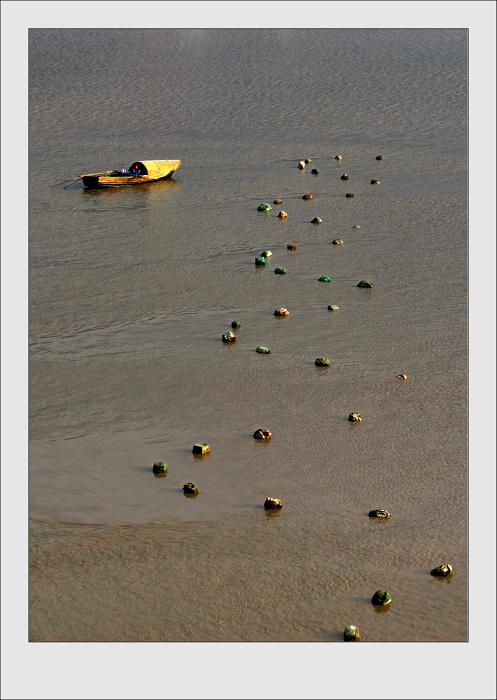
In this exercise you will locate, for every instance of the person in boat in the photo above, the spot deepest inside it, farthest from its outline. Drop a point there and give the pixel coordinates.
(136, 169)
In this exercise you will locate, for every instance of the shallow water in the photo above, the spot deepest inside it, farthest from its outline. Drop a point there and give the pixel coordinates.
(132, 289)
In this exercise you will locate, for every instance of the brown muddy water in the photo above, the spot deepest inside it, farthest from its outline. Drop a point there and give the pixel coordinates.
(130, 291)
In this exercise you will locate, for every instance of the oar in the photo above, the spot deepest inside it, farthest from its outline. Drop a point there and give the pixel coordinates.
(72, 183)
(73, 179)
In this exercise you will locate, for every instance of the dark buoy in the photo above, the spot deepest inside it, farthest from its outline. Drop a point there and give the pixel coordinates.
(315, 171)
(280, 270)
(332, 307)
(443, 570)
(235, 324)
(338, 241)
(308, 196)
(190, 488)
(365, 284)
(379, 157)
(354, 418)
(282, 215)
(228, 337)
(201, 448)
(292, 246)
(379, 513)
(278, 201)
(281, 312)
(271, 503)
(350, 194)
(338, 157)
(262, 434)
(375, 182)
(260, 260)
(344, 177)
(317, 220)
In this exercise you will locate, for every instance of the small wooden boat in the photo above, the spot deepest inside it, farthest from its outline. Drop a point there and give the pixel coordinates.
(139, 172)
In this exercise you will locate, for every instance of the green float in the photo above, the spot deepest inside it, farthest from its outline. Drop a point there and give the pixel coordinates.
(264, 351)
(280, 270)
(260, 260)
(381, 598)
(350, 194)
(379, 157)
(159, 468)
(228, 337)
(266, 254)
(322, 362)
(264, 207)
(324, 279)
(351, 634)
(317, 220)
(235, 324)
(365, 284)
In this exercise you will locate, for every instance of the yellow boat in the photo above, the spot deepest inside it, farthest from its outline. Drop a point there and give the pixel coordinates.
(139, 172)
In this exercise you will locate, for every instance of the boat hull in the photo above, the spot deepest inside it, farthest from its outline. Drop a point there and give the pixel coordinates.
(117, 179)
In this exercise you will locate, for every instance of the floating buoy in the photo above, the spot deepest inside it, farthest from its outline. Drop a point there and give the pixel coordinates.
(379, 513)
(281, 312)
(235, 324)
(322, 362)
(277, 201)
(308, 161)
(159, 468)
(292, 246)
(443, 570)
(401, 376)
(262, 434)
(365, 284)
(332, 307)
(264, 207)
(190, 488)
(338, 241)
(266, 254)
(308, 196)
(338, 157)
(282, 215)
(260, 260)
(381, 598)
(356, 226)
(301, 165)
(379, 157)
(350, 194)
(375, 182)
(201, 448)
(351, 634)
(263, 350)
(228, 337)
(280, 270)
(324, 279)
(271, 503)
(315, 171)
(354, 418)
(344, 177)
(317, 220)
